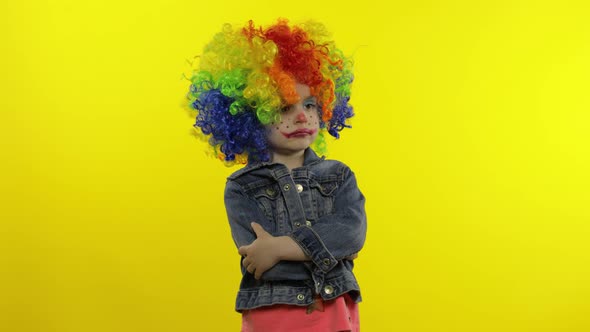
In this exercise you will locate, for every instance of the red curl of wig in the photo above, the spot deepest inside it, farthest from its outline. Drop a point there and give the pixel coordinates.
(299, 59)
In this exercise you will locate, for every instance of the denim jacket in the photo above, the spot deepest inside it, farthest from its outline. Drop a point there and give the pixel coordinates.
(319, 206)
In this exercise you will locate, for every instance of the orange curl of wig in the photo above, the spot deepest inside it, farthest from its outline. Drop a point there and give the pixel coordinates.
(299, 59)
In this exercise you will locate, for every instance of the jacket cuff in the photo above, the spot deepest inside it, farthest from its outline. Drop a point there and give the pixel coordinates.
(312, 245)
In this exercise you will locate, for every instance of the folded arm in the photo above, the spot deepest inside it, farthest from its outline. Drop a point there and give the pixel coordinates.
(261, 251)
(340, 235)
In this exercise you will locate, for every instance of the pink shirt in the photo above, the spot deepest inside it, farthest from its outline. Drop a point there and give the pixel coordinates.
(339, 314)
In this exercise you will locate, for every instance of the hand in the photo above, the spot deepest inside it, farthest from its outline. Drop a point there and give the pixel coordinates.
(262, 254)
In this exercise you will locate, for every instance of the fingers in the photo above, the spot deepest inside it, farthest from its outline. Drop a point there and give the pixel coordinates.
(260, 232)
(249, 265)
(257, 272)
(251, 269)
(246, 262)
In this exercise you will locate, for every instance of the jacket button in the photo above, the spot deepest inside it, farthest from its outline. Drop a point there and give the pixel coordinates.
(300, 297)
(297, 224)
(270, 192)
(299, 188)
(308, 223)
(328, 289)
(327, 261)
(286, 187)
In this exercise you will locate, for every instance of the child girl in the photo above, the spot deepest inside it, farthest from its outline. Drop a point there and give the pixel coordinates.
(265, 96)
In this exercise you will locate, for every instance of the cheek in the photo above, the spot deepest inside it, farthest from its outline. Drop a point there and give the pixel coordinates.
(275, 130)
(283, 125)
(274, 136)
(314, 120)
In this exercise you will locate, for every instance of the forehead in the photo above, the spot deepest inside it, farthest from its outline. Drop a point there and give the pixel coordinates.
(302, 90)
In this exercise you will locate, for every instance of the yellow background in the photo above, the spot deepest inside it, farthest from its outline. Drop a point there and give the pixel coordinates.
(471, 143)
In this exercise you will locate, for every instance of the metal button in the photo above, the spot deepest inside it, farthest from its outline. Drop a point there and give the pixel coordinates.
(328, 289)
(299, 188)
(308, 223)
(300, 297)
(297, 224)
(270, 192)
(327, 261)
(286, 187)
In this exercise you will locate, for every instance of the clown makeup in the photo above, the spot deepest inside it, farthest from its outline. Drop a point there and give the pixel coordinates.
(298, 127)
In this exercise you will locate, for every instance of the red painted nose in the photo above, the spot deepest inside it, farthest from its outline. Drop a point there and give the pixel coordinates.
(301, 117)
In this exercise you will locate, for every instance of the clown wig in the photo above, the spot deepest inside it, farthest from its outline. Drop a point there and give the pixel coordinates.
(245, 76)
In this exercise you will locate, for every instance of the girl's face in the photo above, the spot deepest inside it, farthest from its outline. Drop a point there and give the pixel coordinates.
(299, 124)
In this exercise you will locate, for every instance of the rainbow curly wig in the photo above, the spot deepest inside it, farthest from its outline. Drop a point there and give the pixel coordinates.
(245, 76)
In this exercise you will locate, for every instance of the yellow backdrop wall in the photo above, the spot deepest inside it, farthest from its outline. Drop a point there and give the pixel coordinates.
(471, 143)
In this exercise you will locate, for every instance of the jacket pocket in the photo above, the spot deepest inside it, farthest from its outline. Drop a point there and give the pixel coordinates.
(267, 198)
(323, 192)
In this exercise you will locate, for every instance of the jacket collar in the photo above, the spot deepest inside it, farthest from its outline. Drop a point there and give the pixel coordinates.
(309, 158)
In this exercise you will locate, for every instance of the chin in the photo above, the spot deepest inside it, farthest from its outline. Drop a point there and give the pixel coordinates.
(299, 147)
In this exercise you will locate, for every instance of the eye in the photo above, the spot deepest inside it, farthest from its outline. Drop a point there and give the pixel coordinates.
(285, 108)
(311, 105)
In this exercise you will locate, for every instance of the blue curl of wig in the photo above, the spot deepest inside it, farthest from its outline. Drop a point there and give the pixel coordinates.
(342, 109)
(235, 134)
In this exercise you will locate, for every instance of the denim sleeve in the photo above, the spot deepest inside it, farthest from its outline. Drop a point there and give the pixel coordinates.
(335, 236)
(241, 211)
